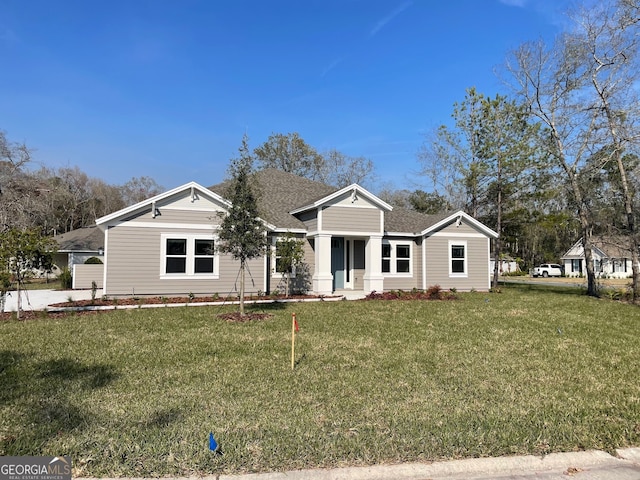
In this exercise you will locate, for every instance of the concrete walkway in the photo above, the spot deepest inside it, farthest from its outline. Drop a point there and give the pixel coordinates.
(41, 299)
(590, 465)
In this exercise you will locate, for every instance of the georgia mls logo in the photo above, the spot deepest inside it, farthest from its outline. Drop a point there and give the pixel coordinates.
(35, 468)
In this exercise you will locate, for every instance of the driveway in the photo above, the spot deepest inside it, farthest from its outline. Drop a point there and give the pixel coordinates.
(41, 299)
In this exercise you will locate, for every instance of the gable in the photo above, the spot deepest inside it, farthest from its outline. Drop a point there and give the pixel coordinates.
(185, 204)
(460, 224)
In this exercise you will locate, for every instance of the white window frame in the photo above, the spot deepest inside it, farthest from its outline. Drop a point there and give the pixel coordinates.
(190, 257)
(459, 243)
(393, 259)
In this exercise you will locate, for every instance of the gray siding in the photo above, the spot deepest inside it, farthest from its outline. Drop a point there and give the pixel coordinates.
(406, 283)
(200, 217)
(310, 220)
(350, 219)
(134, 264)
(477, 263)
(85, 274)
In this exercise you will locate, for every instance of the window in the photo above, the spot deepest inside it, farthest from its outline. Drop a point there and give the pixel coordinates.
(188, 256)
(203, 256)
(403, 256)
(386, 258)
(176, 255)
(576, 265)
(396, 258)
(457, 259)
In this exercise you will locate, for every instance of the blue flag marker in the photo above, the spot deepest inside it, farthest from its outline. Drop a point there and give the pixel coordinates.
(213, 445)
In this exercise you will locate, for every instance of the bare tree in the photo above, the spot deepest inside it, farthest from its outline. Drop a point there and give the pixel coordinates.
(340, 170)
(550, 81)
(607, 34)
(14, 187)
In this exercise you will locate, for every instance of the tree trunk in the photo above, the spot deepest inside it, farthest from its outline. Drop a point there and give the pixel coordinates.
(19, 299)
(242, 269)
(498, 245)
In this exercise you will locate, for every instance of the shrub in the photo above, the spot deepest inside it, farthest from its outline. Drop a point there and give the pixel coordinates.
(66, 279)
(434, 292)
(516, 273)
(93, 261)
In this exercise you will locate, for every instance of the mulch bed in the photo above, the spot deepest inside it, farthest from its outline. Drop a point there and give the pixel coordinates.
(158, 300)
(236, 317)
(433, 293)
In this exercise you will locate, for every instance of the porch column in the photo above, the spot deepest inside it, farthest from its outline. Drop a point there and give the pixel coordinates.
(322, 277)
(373, 279)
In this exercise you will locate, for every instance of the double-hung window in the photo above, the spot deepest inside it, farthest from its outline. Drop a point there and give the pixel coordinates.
(188, 256)
(396, 258)
(458, 259)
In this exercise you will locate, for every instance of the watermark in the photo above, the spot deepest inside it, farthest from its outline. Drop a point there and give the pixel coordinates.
(35, 468)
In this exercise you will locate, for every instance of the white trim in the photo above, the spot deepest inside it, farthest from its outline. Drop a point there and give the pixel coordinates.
(457, 235)
(190, 257)
(402, 234)
(393, 259)
(105, 261)
(464, 216)
(193, 186)
(170, 206)
(182, 226)
(424, 263)
(350, 233)
(464, 274)
(338, 193)
(301, 231)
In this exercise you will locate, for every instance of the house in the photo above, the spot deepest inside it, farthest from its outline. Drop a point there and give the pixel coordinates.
(506, 265)
(611, 258)
(74, 249)
(353, 240)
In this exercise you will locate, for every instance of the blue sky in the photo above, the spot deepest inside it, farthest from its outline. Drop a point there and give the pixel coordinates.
(166, 89)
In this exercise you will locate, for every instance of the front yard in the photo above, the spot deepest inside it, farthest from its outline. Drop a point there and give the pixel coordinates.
(136, 392)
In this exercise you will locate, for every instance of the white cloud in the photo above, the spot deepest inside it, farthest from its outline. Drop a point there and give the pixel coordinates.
(389, 17)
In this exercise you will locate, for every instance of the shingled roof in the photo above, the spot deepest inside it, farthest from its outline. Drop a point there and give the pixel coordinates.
(614, 246)
(282, 192)
(87, 239)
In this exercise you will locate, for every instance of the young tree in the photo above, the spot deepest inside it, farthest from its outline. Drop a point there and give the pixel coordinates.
(242, 233)
(289, 255)
(22, 251)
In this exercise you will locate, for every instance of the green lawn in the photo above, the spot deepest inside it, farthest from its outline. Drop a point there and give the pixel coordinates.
(136, 392)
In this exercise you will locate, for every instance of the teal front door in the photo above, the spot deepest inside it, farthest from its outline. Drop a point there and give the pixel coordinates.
(337, 262)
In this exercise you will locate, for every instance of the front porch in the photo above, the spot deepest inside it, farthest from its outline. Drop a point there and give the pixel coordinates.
(349, 264)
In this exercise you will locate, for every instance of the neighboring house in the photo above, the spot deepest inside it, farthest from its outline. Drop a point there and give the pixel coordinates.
(74, 248)
(505, 266)
(611, 258)
(353, 241)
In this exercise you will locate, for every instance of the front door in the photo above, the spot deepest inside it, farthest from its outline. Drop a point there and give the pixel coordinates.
(337, 262)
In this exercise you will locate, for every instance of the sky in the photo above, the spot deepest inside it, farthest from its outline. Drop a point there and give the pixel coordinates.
(167, 88)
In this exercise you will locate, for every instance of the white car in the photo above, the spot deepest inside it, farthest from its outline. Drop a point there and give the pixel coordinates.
(548, 270)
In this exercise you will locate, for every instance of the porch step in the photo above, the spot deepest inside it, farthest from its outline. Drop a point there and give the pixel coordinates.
(351, 294)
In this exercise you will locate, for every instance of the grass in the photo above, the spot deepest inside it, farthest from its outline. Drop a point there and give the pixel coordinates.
(136, 392)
